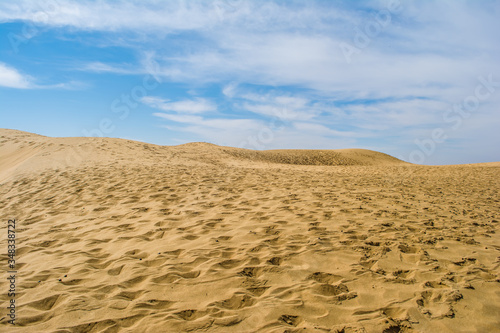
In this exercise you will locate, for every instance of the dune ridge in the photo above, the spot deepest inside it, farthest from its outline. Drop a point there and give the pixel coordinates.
(121, 236)
(25, 151)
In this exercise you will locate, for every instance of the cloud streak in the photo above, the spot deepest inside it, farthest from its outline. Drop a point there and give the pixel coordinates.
(198, 105)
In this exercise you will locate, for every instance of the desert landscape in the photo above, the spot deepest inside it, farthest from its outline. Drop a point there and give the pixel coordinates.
(115, 235)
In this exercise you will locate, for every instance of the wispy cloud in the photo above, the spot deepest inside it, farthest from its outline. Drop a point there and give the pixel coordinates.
(100, 67)
(198, 105)
(222, 131)
(284, 107)
(166, 17)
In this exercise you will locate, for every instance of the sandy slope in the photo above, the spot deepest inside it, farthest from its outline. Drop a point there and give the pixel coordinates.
(121, 236)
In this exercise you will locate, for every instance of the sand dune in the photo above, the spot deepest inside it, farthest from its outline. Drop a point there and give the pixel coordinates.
(121, 236)
(27, 152)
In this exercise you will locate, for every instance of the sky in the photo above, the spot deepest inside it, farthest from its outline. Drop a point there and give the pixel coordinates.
(419, 80)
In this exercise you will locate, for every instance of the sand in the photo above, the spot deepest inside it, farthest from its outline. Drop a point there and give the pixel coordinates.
(122, 236)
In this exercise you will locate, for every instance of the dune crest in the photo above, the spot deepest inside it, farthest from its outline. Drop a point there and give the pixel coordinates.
(339, 157)
(27, 152)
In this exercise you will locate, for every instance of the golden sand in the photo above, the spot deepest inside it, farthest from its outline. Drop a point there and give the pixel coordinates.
(121, 236)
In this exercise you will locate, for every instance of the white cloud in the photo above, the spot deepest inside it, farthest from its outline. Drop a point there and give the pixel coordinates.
(282, 107)
(222, 131)
(179, 118)
(198, 105)
(385, 115)
(164, 16)
(12, 78)
(99, 67)
(230, 89)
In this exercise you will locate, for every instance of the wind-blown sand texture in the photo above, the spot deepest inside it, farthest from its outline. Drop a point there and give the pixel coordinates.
(121, 236)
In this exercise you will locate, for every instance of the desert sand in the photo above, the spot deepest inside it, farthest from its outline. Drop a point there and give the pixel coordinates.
(122, 236)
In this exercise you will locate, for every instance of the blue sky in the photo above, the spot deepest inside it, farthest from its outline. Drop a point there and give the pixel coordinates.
(419, 80)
